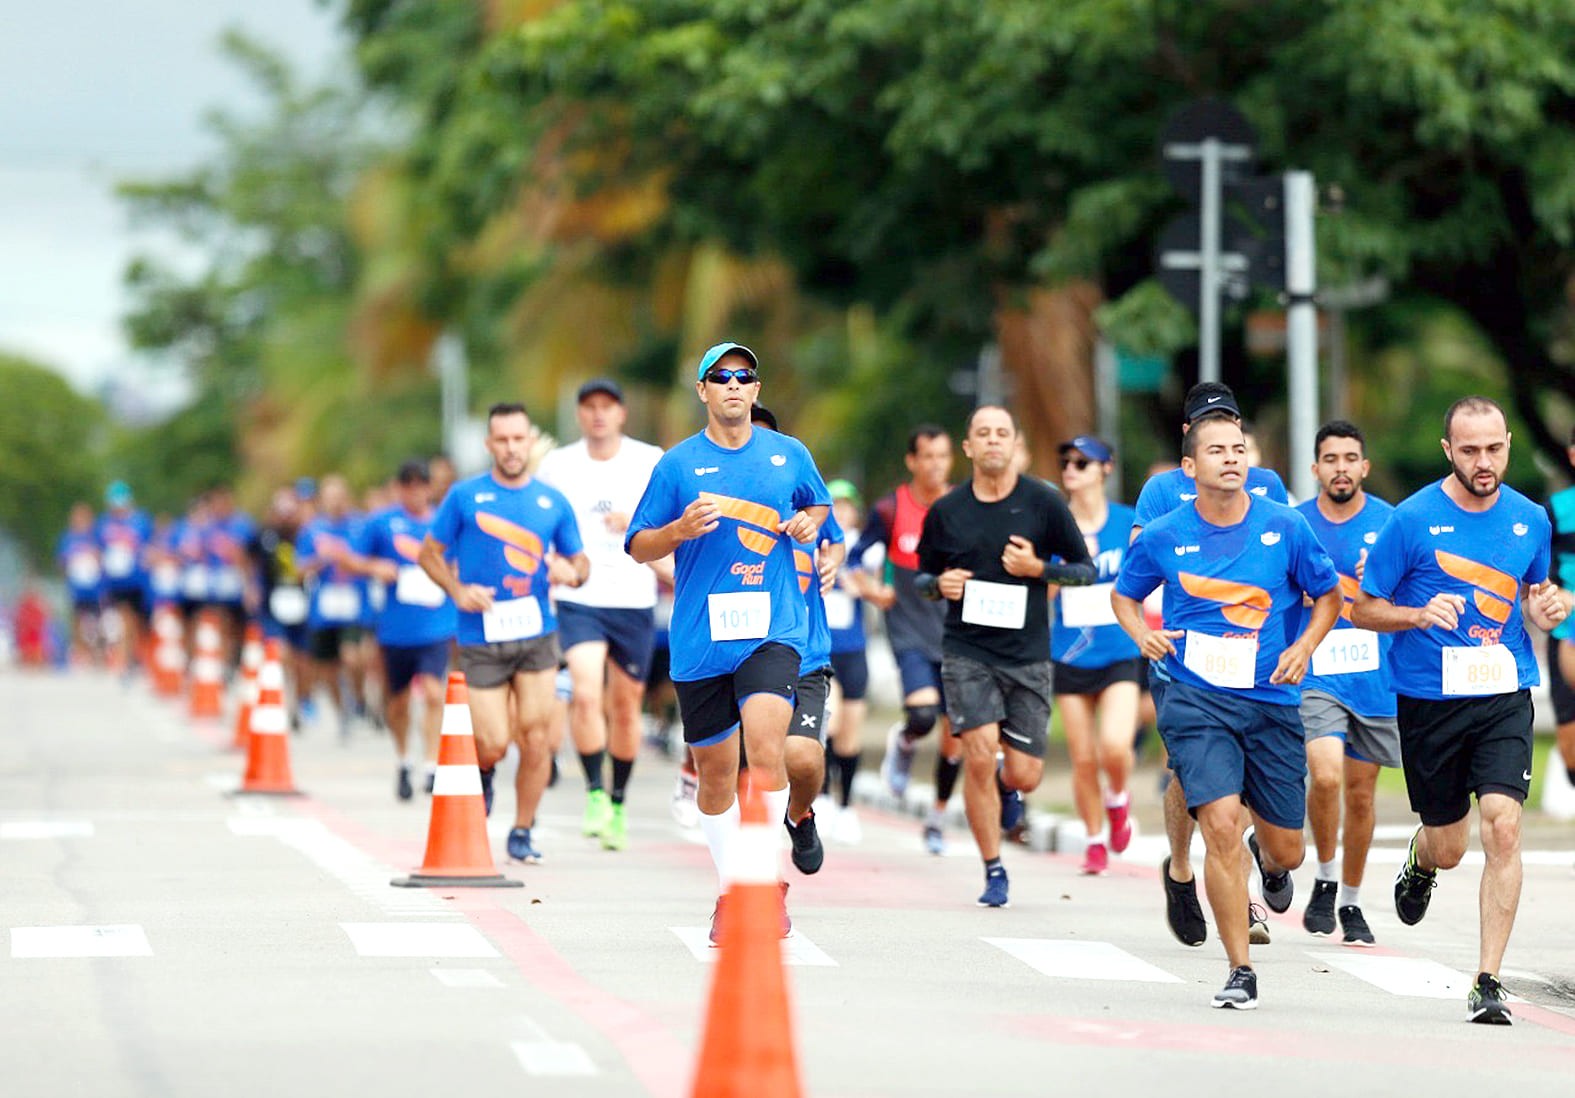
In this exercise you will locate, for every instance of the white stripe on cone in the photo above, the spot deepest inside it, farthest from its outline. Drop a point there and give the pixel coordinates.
(456, 721)
(270, 676)
(753, 858)
(457, 781)
(269, 720)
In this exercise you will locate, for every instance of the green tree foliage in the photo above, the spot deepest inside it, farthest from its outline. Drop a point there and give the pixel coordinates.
(50, 454)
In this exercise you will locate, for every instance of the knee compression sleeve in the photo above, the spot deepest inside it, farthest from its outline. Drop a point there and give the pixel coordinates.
(921, 718)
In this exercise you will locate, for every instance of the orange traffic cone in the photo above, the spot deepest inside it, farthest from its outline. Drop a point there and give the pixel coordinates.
(268, 749)
(251, 661)
(169, 652)
(748, 1046)
(458, 854)
(207, 669)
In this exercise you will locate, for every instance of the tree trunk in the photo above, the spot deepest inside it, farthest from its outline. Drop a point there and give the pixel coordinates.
(1047, 338)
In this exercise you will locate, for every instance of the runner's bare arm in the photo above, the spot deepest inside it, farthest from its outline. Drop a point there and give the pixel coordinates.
(1545, 604)
(470, 597)
(1155, 644)
(805, 523)
(1383, 616)
(1292, 664)
(569, 571)
(829, 563)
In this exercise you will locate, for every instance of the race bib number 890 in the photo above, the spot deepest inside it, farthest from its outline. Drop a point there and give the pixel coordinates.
(1470, 671)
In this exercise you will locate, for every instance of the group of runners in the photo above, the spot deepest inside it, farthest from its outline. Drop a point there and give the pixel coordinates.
(1294, 652)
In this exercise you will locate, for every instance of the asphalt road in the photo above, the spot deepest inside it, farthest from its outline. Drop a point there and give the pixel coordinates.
(167, 939)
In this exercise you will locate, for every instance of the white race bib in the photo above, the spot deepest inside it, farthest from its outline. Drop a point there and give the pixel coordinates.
(82, 569)
(194, 582)
(415, 587)
(1231, 662)
(227, 585)
(119, 560)
(166, 578)
(839, 609)
(338, 602)
(1087, 607)
(516, 619)
(288, 605)
(1472, 670)
(739, 615)
(1346, 652)
(997, 605)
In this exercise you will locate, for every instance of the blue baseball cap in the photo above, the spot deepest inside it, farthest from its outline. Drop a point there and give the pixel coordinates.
(1089, 447)
(305, 488)
(118, 494)
(715, 354)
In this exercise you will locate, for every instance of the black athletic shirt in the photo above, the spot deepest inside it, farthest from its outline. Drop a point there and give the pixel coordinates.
(962, 532)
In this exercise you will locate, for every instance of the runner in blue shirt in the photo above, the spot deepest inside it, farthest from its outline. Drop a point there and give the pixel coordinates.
(511, 537)
(232, 585)
(323, 551)
(1348, 709)
(81, 562)
(1455, 574)
(1162, 494)
(418, 621)
(850, 672)
(123, 535)
(1095, 666)
(729, 502)
(1237, 568)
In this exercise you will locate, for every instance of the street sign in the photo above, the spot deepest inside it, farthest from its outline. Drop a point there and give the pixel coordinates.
(1189, 127)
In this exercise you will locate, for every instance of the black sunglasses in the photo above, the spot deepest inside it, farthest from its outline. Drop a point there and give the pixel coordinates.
(1079, 463)
(746, 376)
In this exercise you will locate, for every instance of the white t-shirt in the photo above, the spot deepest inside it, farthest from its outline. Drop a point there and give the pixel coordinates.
(596, 489)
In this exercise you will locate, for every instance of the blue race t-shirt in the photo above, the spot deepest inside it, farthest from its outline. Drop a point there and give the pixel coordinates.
(121, 540)
(1561, 509)
(1237, 591)
(224, 543)
(337, 592)
(817, 630)
(499, 537)
(736, 588)
(845, 611)
(1351, 663)
(81, 564)
(1083, 629)
(1164, 492)
(1431, 545)
(417, 611)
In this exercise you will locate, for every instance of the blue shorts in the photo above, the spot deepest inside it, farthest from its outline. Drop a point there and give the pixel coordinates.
(402, 663)
(852, 672)
(630, 635)
(1222, 745)
(293, 636)
(917, 671)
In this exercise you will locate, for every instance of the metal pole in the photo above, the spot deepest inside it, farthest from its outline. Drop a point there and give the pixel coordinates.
(1301, 323)
(1209, 273)
(1339, 406)
(1107, 398)
(448, 359)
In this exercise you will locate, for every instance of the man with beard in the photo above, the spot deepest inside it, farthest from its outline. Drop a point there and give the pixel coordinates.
(1455, 574)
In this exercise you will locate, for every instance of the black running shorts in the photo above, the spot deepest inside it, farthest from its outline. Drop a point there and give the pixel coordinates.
(1459, 746)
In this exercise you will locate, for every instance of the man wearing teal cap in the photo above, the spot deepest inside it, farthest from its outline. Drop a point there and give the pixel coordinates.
(123, 535)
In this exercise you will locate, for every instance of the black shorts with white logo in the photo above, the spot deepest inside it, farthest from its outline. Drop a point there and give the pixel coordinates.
(1453, 748)
(809, 705)
(709, 708)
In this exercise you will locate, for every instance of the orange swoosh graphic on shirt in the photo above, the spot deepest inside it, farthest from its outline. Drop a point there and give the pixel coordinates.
(1495, 592)
(1348, 589)
(805, 567)
(756, 514)
(509, 533)
(1241, 603)
(756, 542)
(407, 546)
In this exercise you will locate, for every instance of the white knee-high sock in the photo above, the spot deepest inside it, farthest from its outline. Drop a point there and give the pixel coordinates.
(719, 831)
(776, 813)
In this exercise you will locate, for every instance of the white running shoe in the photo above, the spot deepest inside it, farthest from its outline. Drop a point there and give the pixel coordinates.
(686, 813)
(846, 829)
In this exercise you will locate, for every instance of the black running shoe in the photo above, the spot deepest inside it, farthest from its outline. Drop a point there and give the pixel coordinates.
(1413, 887)
(1485, 1002)
(1278, 888)
(1182, 910)
(486, 790)
(808, 851)
(1240, 991)
(404, 789)
(1319, 916)
(1357, 932)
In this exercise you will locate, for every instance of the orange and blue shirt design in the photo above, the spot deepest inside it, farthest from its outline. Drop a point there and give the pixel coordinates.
(499, 537)
(1365, 693)
(1431, 545)
(757, 487)
(1244, 580)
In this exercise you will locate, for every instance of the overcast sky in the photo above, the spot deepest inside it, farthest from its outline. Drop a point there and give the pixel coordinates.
(96, 90)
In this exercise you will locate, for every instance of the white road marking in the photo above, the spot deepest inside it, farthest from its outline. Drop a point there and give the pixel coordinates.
(466, 977)
(542, 1055)
(1078, 960)
(47, 829)
(796, 949)
(80, 941)
(1412, 976)
(418, 940)
(227, 782)
(365, 876)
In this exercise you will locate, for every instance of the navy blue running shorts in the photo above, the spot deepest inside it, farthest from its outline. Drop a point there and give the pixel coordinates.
(1225, 745)
(403, 663)
(852, 671)
(630, 634)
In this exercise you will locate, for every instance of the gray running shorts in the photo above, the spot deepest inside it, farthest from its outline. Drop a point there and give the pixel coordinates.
(1370, 739)
(492, 665)
(1017, 697)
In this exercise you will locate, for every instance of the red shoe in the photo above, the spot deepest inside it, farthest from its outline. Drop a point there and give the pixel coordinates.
(787, 923)
(716, 922)
(1095, 860)
(1120, 827)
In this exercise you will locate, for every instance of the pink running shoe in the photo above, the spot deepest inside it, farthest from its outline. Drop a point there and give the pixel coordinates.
(1095, 860)
(1120, 828)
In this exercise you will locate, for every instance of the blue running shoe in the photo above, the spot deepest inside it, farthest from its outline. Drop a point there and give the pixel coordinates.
(995, 886)
(1012, 810)
(520, 848)
(934, 839)
(486, 790)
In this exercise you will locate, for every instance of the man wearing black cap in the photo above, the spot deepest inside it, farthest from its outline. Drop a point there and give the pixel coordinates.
(1162, 494)
(607, 625)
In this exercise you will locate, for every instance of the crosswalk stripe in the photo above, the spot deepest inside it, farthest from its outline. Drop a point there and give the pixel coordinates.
(46, 829)
(1079, 960)
(418, 940)
(797, 949)
(1411, 976)
(128, 940)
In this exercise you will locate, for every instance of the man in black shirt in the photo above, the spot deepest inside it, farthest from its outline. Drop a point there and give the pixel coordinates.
(989, 548)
